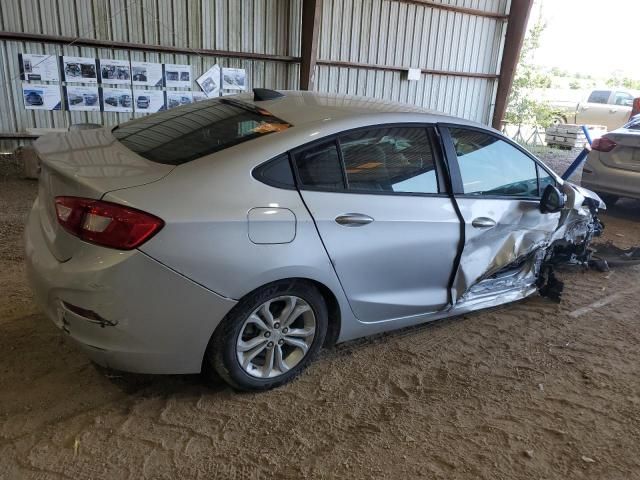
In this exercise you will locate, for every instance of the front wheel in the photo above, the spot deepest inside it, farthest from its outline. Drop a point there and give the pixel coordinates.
(270, 336)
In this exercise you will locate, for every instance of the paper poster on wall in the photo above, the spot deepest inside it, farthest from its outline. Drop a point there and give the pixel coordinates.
(41, 97)
(209, 81)
(198, 96)
(79, 69)
(117, 100)
(83, 99)
(175, 98)
(234, 79)
(148, 101)
(147, 74)
(178, 76)
(42, 68)
(115, 72)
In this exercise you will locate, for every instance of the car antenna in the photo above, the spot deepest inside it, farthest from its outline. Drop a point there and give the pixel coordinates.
(260, 94)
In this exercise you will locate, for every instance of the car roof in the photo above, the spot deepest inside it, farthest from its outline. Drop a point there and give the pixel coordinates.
(303, 107)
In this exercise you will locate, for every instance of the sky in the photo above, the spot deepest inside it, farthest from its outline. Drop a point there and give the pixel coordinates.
(595, 37)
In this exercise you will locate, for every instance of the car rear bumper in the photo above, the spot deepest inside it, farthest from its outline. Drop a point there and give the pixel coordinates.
(125, 309)
(614, 181)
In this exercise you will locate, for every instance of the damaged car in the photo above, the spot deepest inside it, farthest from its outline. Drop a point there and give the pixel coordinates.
(240, 235)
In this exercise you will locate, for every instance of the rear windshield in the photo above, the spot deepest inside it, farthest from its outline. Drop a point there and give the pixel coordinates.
(633, 124)
(183, 134)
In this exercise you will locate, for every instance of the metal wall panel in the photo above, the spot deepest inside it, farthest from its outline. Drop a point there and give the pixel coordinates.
(405, 34)
(255, 26)
(383, 32)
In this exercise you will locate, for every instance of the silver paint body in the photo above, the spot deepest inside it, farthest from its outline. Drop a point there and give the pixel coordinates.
(227, 234)
(616, 172)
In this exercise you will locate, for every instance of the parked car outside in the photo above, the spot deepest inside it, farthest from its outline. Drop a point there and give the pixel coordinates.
(245, 233)
(613, 165)
(113, 101)
(605, 106)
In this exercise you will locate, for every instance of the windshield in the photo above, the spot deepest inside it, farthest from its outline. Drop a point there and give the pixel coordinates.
(180, 135)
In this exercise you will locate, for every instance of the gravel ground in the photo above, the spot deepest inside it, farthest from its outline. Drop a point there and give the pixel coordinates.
(533, 390)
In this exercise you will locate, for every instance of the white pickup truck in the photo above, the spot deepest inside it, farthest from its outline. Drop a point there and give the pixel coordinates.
(609, 107)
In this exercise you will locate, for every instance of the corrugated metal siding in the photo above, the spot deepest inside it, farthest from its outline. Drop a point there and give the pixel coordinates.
(255, 26)
(403, 34)
(383, 32)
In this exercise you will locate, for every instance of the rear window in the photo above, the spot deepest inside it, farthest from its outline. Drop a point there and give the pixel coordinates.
(633, 125)
(180, 135)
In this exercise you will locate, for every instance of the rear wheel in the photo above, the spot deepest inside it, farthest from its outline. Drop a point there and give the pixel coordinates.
(270, 336)
(608, 198)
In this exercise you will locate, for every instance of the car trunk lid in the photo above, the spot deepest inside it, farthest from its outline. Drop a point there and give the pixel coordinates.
(88, 164)
(626, 154)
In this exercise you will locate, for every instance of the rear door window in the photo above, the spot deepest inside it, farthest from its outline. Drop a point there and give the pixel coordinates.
(599, 96)
(183, 134)
(398, 159)
(634, 125)
(319, 167)
(276, 172)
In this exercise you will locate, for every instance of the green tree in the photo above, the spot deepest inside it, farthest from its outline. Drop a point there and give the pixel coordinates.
(617, 81)
(521, 107)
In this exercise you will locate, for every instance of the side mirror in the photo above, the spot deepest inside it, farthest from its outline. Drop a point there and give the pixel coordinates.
(552, 200)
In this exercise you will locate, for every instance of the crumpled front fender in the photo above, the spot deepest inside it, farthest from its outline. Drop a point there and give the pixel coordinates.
(511, 258)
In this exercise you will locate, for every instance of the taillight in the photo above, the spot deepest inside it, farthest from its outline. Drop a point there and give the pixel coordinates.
(636, 108)
(107, 224)
(603, 144)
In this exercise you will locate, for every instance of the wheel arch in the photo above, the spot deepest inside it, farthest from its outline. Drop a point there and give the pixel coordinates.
(334, 324)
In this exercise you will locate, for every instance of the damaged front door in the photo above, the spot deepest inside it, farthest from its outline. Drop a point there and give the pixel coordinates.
(497, 188)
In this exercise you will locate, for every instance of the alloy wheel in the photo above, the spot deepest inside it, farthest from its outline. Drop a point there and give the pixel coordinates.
(276, 336)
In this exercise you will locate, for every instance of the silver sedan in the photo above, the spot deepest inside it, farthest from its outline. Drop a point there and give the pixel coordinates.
(241, 234)
(613, 166)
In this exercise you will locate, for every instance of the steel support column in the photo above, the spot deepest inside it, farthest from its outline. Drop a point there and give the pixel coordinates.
(311, 12)
(516, 29)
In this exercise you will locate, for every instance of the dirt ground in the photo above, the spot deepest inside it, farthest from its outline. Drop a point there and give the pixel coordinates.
(533, 390)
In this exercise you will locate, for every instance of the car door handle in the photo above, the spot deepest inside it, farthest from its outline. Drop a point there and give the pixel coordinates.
(483, 222)
(613, 110)
(353, 220)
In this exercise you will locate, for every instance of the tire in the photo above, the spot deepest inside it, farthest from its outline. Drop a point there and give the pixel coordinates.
(558, 120)
(608, 198)
(281, 355)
